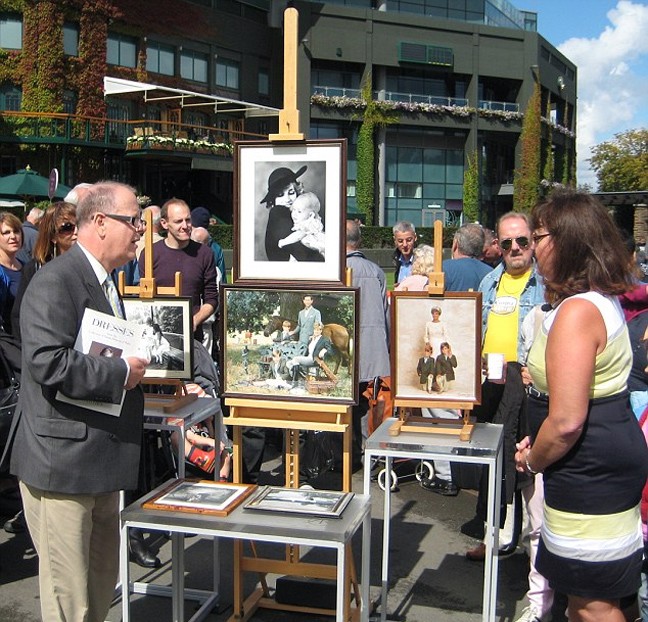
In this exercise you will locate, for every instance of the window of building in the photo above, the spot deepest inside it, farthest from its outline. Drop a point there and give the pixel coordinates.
(10, 98)
(121, 50)
(264, 82)
(420, 177)
(193, 65)
(227, 73)
(70, 39)
(10, 32)
(69, 102)
(119, 113)
(160, 58)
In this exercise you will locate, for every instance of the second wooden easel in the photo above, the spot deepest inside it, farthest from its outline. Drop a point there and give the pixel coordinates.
(147, 290)
(407, 422)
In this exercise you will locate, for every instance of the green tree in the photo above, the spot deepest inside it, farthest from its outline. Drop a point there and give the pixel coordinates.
(471, 189)
(526, 184)
(622, 163)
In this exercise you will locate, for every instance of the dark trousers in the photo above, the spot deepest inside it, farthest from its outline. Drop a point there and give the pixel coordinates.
(504, 404)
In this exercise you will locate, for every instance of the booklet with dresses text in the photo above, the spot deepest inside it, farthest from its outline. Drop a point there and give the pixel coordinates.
(102, 334)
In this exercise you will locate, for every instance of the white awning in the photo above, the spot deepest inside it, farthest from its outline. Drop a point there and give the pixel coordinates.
(184, 99)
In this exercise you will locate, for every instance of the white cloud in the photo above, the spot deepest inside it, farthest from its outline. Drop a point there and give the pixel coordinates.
(611, 90)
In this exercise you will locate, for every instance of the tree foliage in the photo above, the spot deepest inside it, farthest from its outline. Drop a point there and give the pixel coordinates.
(526, 185)
(471, 189)
(622, 163)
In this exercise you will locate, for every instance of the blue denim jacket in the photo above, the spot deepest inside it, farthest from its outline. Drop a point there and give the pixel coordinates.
(532, 295)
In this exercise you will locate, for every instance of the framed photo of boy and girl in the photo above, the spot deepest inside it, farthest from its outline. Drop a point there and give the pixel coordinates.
(436, 348)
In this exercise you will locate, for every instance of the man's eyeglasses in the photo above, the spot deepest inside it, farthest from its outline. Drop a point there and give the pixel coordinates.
(133, 221)
(507, 243)
(67, 227)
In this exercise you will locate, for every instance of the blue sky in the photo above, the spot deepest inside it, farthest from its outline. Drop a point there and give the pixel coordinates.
(608, 42)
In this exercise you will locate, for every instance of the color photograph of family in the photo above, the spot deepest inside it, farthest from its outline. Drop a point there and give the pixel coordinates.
(289, 343)
(436, 345)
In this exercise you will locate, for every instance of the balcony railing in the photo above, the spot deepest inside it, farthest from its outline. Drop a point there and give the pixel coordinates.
(411, 98)
(485, 104)
(49, 128)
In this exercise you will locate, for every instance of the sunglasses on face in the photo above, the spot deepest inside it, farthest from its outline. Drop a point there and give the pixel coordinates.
(507, 243)
(67, 227)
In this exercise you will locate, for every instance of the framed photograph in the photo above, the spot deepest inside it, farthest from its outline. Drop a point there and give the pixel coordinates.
(326, 503)
(290, 208)
(290, 343)
(200, 497)
(168, 335)
(436, 348)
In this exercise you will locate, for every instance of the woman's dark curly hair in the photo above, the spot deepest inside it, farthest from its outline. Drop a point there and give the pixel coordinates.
(588, 251)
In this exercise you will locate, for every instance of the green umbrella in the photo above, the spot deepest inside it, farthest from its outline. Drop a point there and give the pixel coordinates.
(28, 183)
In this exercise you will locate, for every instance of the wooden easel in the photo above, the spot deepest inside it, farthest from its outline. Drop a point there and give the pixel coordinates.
(292, 417)
(410, 423)
(146, 290)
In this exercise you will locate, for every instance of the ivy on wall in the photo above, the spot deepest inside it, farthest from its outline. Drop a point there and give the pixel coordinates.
(42, 63)
(471, 189)
(374, 116)
(548, 169)
(526, 184)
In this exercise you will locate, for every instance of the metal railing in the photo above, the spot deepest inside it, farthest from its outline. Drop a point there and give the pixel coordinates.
(411, 98)
(485, 104)
(52, 128)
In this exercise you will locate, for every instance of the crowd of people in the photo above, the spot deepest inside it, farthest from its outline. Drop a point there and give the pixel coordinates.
(562, 305)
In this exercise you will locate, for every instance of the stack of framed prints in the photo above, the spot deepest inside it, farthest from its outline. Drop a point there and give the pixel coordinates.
(289, 323)
(324, 503)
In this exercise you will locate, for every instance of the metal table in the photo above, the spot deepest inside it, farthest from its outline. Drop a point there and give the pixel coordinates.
(334, 533)
(485, 447)
(179, 421)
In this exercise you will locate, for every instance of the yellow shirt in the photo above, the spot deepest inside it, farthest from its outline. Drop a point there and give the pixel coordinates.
(502, 332)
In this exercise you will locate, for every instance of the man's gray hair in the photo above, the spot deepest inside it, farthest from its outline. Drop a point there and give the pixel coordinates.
(101, 197)
(402, 226)
(353, 234)
(509, 215)
(156, 213)
(73, 195)
(470, 240)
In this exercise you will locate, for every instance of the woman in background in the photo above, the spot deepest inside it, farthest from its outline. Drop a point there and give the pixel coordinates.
(10, 266)
(57, 232)
(584, 437)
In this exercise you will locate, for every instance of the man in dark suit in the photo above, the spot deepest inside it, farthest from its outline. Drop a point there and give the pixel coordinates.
(72, 461)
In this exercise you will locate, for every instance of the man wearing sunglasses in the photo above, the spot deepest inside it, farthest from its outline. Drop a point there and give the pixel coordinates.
(509, 292)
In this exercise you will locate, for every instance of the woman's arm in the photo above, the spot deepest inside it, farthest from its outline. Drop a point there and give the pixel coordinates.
(577, 335)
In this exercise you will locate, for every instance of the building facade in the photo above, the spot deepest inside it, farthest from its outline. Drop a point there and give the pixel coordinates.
(452, 78)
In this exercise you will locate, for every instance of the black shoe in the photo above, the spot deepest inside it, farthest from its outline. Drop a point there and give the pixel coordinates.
(440, 486)
(140, 554)
(474, 528)
(507, 549)
(16, 524)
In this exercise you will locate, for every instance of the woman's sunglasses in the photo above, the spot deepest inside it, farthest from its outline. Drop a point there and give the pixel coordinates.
(67, 227)
(507, 243)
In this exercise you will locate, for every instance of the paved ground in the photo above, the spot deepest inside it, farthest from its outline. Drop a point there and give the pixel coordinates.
(431, 581)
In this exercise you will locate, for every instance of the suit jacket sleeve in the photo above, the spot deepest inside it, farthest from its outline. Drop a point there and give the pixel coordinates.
(50, 318)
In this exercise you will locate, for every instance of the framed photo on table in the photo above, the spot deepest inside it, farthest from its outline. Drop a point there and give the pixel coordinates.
(287, 343)
(289, 211)
(436, 348)
(200, 497)
(326, 503)
(167, 340)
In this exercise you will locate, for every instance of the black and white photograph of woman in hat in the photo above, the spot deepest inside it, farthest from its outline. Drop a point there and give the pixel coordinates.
(291, 206)
(292, 220)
